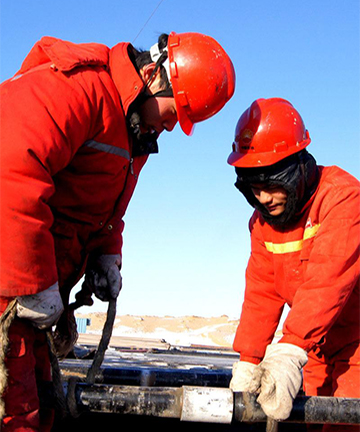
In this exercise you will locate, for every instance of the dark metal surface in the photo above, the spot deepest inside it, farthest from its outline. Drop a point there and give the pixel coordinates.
(168, 402)
(306, 409)
(148, 401)
(170, 368)
(148, 384)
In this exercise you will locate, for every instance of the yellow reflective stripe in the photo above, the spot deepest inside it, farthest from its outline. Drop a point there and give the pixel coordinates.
(294, 246)
(282, 248)
(311, 232)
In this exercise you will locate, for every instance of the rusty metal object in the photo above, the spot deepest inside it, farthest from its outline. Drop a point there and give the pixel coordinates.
(146, 401)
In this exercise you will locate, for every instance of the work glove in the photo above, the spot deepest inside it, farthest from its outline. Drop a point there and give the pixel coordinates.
(103, 276)
(65, 334)
(278, 379)
(42, 309)
(242, 374)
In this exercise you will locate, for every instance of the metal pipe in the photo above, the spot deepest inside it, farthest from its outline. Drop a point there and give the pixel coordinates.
(208, 404)
(306, 409)
(152, 375)
(147, 401)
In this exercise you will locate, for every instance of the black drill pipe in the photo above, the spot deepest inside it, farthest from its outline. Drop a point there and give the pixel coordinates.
(153, 376)
(146, 401)
(168, 402)
(306, 409)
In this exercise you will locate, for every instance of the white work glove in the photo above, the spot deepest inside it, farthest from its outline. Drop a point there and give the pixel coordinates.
(103, 276)
(278, 379)
(242, 374)
(42, 309)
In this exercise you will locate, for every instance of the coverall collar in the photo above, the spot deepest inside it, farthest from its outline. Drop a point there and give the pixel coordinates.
(126, 78)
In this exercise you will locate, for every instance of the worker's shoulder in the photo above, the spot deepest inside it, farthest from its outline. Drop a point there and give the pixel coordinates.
(65, 55)
(337, 189)
(335, 177)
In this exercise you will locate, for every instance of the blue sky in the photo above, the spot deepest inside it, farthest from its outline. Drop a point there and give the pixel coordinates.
(186, 241)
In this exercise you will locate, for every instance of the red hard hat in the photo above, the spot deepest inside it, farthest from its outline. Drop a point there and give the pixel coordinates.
(202, 77)
(267, 132)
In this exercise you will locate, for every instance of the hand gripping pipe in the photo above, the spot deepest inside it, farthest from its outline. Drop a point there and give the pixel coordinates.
(207, 404)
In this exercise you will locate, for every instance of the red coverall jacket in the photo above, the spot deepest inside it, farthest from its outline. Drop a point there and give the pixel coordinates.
(67, 173)
(313, 267)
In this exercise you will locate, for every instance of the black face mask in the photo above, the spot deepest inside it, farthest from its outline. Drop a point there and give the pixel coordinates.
(297, 174)
(143, 143)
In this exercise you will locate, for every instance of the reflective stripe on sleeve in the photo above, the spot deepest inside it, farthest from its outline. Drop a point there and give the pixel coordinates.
(107, 148)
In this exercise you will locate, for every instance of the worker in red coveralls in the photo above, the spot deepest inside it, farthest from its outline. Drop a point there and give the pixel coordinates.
(304, 253)
(78, 122)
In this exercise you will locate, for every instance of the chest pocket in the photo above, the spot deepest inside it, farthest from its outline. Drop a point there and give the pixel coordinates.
(308, 242)
(306, 249)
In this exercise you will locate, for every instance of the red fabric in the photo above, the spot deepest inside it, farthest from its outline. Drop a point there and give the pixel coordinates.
(313, 267)
(338, 375)
(52, 183)
(61, 199)
(27, 363)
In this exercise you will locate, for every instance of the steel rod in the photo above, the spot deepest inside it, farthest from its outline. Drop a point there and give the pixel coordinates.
(147, 401)
(208, 404)
(306, 409)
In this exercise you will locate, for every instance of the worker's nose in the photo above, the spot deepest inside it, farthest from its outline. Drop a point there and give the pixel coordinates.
(170, 124)
(264, 197)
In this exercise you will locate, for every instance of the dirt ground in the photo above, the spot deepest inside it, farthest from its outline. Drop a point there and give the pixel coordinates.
(185, 330)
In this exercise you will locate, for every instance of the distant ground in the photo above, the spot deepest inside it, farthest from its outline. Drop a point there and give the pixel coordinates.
(184, 331)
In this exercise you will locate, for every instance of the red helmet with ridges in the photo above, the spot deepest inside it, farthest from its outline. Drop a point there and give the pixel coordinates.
(202, 77)
(268, 131)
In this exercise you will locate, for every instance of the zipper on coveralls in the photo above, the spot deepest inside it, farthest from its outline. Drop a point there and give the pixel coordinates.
(131, 166)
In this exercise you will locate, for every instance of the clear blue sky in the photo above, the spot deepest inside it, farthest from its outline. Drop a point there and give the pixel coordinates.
(186, 236)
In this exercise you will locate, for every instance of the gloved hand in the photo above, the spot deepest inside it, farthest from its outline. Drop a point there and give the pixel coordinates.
(242, 374)
(65, 334)
(103, 276)
(278, 378)
(42, 309)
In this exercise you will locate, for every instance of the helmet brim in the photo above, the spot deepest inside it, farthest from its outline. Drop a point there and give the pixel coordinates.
(253, 160)
(185, 123)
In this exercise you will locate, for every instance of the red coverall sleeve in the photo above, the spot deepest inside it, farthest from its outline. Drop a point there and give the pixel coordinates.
(45, 118)
(262, 306)
(332, 272)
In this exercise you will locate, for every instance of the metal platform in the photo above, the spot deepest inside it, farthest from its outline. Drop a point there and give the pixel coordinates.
(154, 363)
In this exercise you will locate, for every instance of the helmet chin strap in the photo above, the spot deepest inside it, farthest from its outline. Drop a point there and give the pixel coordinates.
(146, 143)
(160, 58)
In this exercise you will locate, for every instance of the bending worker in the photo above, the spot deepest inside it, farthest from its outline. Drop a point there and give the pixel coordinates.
(305, 239)
(78, 122)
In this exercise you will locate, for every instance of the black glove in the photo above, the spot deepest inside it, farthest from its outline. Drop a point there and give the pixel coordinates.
(103, 276)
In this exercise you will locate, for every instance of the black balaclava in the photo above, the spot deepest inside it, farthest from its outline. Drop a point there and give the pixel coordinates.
(297, 174)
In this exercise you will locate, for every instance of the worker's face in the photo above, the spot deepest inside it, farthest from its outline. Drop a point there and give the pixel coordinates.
(156, 113)
(273, 197)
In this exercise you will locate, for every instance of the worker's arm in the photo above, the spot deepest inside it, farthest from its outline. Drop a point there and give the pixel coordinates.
(332, 271)
(262, 306)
